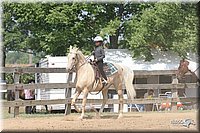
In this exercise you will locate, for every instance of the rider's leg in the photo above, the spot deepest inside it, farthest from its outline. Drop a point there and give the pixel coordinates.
(100, 66)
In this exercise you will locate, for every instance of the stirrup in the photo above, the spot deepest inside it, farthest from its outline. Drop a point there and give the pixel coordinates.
(104, 82)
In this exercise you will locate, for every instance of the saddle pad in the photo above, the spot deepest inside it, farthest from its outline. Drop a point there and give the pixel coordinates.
(109, 69)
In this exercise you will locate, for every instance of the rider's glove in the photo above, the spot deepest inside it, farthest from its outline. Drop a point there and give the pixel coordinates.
(95, 60)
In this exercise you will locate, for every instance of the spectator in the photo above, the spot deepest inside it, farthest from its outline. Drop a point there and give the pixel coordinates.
(150, 94)
(29, 95)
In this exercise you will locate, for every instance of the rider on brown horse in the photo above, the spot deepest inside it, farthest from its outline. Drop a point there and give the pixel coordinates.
(99, 55)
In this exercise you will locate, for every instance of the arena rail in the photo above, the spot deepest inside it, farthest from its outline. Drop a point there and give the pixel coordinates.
(17, 86)
(96, 101)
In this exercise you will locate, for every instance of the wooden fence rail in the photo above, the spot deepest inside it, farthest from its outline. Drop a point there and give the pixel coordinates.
(63, 70)
(72, 85)
(67, 86)
(95, 101)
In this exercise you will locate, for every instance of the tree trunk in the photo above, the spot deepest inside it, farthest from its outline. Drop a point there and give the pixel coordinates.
(114, 41)
(3, 63)
(114, 38)
(2, 75)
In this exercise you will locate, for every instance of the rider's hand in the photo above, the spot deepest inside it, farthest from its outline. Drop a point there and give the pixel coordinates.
(92, 52)
(95, 60)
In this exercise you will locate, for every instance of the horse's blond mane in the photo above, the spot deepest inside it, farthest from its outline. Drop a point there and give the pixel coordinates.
(79, 53)
(81, 56)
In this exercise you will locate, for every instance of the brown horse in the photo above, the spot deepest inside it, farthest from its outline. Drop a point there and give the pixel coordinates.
(85, 81)
(186, 66)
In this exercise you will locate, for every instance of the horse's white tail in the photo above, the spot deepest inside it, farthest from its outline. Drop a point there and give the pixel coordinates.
(128, 80)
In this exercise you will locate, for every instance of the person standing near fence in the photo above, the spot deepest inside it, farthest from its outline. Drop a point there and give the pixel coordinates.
(149, 95)
(29, 95)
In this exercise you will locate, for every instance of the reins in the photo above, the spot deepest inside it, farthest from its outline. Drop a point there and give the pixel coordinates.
(99, 90)
(86, 60)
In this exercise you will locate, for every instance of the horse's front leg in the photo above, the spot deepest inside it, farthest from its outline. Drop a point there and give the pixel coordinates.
(85, 94)
(74, 100)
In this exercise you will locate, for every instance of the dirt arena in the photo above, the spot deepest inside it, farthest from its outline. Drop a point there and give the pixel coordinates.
(132, 121)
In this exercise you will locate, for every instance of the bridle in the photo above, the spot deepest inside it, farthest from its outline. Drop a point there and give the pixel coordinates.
(74, 65)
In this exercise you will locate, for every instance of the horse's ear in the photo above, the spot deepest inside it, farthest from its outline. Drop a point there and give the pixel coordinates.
(76, 49)
(182, 60)
(70, 47)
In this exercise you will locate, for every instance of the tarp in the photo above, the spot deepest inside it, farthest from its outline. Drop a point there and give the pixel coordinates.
(163, 60)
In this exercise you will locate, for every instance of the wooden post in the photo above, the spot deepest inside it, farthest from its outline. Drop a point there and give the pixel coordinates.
(68, 94)
(174, 91)
(16, 76)
(175, 98)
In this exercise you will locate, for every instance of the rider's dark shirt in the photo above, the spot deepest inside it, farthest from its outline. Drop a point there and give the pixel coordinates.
(99, 53)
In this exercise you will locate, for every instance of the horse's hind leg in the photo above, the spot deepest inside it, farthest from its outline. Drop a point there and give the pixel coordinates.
(46, 108)
(121, 105)
(9, 110)
(105, 99)
(120, 97)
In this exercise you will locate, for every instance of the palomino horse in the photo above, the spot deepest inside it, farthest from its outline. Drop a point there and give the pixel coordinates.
(188, 66)
(85, 81)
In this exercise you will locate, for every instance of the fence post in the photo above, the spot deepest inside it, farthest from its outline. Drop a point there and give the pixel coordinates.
(175, 98)
(68, 94)
(16, 76)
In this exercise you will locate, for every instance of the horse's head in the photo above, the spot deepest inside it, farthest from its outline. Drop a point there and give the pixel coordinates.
(183, 68)
(72, 58)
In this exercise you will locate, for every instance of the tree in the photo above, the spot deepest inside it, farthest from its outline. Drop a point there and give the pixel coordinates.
(166, 26)
(14, 57)
(117, 16)
(48, 28)
(51, 27)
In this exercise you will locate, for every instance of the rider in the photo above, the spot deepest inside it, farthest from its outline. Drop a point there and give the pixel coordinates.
(99, 54)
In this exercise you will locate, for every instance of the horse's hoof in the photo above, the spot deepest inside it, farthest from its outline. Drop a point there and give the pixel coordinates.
(79, 110)
(80, 118)
(98, 116)
(120, 116)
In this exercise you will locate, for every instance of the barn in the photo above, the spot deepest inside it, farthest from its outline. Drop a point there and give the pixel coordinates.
(163, 60)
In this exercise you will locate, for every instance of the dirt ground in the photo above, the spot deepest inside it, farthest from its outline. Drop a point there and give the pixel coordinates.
(131, 121)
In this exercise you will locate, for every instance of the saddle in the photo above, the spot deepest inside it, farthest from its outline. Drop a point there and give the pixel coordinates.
(108, 68)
